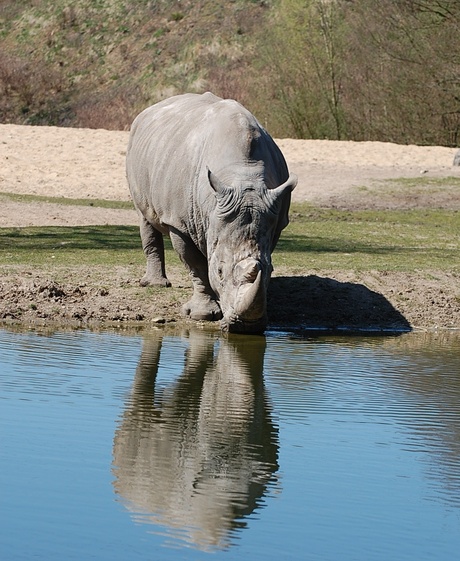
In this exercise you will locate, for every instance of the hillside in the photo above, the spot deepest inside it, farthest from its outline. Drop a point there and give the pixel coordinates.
(373, 70)
(98, 63)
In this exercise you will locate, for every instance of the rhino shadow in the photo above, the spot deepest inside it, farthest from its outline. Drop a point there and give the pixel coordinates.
(197, 455)
(313, 302)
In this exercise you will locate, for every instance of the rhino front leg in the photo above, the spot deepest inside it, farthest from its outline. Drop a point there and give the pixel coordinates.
(203, 304)
(154, 250)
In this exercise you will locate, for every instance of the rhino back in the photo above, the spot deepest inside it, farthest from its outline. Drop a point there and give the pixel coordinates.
(173, 143)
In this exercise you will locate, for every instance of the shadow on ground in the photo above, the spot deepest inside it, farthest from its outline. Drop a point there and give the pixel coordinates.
(314, 302)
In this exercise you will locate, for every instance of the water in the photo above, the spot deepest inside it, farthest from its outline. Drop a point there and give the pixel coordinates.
(186, 445)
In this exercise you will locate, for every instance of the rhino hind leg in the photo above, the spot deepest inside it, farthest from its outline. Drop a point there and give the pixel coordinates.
(153, 246)
(203, 304)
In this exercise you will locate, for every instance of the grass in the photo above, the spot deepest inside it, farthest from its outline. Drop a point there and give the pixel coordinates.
(412, 187)
(102, 203)
(368, 239)
(89, 245)
(315, 239)
(421, 182)
(79, 245)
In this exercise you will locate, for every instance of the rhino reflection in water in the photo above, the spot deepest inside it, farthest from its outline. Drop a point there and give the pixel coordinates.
(197, 457)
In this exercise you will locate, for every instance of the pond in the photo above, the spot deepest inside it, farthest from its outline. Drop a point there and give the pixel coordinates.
(183, 444)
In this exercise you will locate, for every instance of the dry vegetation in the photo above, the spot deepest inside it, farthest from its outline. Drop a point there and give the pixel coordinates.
(363, 69)
(97, 63)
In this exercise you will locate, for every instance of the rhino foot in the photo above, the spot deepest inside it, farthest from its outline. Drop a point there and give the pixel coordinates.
(148, 280)
(202, 307)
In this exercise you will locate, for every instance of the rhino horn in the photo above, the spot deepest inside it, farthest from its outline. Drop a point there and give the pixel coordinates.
(252, 301)
(219, 186)
(288, 185)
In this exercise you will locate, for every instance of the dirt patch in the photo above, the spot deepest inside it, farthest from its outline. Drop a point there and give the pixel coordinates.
(79, 163)
(84, 296)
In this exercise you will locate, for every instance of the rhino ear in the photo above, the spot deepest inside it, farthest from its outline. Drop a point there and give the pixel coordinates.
(219, 187)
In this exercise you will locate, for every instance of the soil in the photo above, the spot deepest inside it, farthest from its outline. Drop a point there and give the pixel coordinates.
(82, 163)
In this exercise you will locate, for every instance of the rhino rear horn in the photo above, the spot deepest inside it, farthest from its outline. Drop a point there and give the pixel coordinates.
(219, 187)
(277, 194)
(288, 185)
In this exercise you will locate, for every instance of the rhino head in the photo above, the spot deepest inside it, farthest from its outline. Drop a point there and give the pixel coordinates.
(243, 231)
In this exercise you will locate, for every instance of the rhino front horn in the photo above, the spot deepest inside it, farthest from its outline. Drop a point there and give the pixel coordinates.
(251, 303)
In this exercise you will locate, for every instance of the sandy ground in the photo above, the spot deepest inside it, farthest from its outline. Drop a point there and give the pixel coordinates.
(82, 163)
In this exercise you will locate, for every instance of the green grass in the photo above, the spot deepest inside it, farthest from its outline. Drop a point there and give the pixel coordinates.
(364, 240)
(401, 187)
(315, 239)
(70, 245)
(423, 181)
(102, 203)
(80, 245)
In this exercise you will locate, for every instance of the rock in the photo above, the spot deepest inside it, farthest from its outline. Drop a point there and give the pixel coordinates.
(457, 158)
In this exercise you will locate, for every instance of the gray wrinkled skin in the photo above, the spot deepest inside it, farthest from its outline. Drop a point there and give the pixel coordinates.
(204, 171)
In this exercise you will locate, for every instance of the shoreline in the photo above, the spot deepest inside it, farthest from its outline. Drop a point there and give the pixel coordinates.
(89, 164)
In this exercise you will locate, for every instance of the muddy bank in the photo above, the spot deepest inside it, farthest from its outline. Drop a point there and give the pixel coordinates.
(319, 299)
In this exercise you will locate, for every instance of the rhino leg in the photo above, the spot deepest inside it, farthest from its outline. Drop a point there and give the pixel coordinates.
(153, 246)
(203, 304)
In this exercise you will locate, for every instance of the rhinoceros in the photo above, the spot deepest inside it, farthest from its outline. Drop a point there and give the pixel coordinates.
(203, 170)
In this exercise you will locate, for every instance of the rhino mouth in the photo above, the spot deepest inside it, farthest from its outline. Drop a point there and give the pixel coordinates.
(236, 324)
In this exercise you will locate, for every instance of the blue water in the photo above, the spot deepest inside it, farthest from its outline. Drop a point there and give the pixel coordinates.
(186, 445)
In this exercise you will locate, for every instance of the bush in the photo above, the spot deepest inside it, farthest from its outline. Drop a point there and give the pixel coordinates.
(26, 88)
(368, 69)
